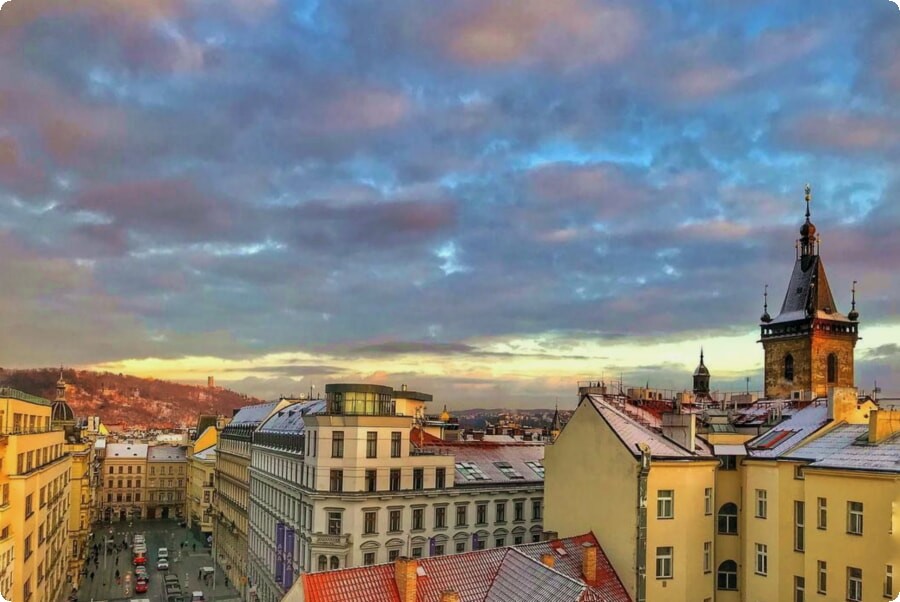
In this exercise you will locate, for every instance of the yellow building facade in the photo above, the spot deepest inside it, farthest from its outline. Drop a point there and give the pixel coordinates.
(123, 476)
(34, 500)
(201, 485)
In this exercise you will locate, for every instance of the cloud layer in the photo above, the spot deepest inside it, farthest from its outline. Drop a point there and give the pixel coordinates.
(364, 180)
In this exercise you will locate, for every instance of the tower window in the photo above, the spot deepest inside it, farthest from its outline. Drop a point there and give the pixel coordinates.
(832, 368)
(789, 367)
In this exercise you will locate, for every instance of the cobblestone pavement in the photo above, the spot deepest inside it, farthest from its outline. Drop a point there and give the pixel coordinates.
(187, 558)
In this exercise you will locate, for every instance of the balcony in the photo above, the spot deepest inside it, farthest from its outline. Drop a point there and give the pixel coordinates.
(322, 540)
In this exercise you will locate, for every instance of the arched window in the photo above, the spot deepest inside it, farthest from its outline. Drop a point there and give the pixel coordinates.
(726, 577)
(728, 515)
(335, 563)
(832, 368)
(789, 367)
(323, 562)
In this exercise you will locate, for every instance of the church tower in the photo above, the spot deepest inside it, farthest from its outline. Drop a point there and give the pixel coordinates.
(809, 344)
(701, 379)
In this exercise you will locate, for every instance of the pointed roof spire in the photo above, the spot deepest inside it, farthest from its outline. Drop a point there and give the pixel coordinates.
(765, 317)
(808, 229)
(555, 425)
(853, 315)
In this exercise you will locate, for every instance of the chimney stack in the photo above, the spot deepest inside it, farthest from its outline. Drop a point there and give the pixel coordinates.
(589, 562)
(405, 576)
(449, 596)
(882, 424)
(548, 560)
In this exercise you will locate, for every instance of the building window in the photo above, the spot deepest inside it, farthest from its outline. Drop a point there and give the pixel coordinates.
(337, 444)
(440, 517)
(762, 503)
(480, 514)
(417, 552)
(460, 547)
(336, 481)
(832, 368)
(536, 509)
(799, 525)
(798, 472)
(855, 518)
(500, 512)
(29, 505)
(728, 462)
(371, 444)
(368, 558)
(707, 556)
(394, 521)
(664, 562)
(707, 501)
(440, 478)
(499, 542)
(438, 549)
(889, 581)
(395, 444)
(370, 520)
(665, 503)
(334, 523)
(728, 519)
(461, 516)
(335, 563)
(323, 563)
(418, 519)
(762, 559)
(395, 479)
(799, 589)
(418, 479)
(371, 480)
(854, 584)
(789, 367)
(726, 576)
(822, 577)
(518, 511)
(822, 513)
(393, 555)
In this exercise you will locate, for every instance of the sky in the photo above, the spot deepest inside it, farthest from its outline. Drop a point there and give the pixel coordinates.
(489, 200)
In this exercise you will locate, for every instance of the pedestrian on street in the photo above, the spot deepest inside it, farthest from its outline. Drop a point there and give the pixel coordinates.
(200, 574)
(92, 576)
(195, 547)
(117, 573)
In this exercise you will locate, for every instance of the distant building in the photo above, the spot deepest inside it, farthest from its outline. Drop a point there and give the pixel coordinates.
(123, 494)
(166, 481)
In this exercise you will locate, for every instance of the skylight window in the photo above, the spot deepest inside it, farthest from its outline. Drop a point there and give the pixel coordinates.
(771, 439)
(471, 472)
(507, 469)
(537, 467)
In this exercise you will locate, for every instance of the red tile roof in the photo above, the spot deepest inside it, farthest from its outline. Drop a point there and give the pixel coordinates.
(471, 574)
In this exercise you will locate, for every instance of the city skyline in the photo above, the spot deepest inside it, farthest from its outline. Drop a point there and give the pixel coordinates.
(489, 202)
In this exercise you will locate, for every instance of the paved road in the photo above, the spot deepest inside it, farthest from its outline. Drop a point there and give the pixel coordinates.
(187, 557)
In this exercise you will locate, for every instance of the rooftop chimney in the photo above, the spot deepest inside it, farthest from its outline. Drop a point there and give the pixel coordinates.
(882, 424)
(405, 576)
(589, 562)
(449, 596)
(680, 428)
(842, 405)
(548, 560)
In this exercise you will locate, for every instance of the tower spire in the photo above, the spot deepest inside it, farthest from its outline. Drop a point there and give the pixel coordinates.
(853, 315)
(765, 317)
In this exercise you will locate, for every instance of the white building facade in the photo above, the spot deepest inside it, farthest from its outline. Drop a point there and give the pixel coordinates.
(349, 481)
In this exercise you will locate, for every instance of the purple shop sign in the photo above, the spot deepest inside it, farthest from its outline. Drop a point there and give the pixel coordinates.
(279, 552)
(289, 559)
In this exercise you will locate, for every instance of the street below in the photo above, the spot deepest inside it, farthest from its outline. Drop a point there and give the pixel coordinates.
(109, 576)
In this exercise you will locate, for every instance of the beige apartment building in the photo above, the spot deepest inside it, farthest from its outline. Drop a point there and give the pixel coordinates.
(124, 481)
(202, 483)
(232, 499)
(167, 476)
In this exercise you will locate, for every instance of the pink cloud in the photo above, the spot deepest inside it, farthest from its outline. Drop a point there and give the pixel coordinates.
(566, 33)
(841, 131)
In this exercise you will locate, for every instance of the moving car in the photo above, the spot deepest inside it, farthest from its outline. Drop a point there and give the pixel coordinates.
(162, 564)
(162, 553)
(141, 586)
(140, 571)
(139, 559)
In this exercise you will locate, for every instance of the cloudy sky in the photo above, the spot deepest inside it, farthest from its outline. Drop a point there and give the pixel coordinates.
(486, 199)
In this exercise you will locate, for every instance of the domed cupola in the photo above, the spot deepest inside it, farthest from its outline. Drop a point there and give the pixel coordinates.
(61, 414)
(701, 378)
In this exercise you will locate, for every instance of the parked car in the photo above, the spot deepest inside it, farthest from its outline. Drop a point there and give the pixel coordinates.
(197, 597)
(138, 538)
(140, 571)
(141, 586)
(162, 553)
(170, 579)
(139, 559)
(162, 564)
